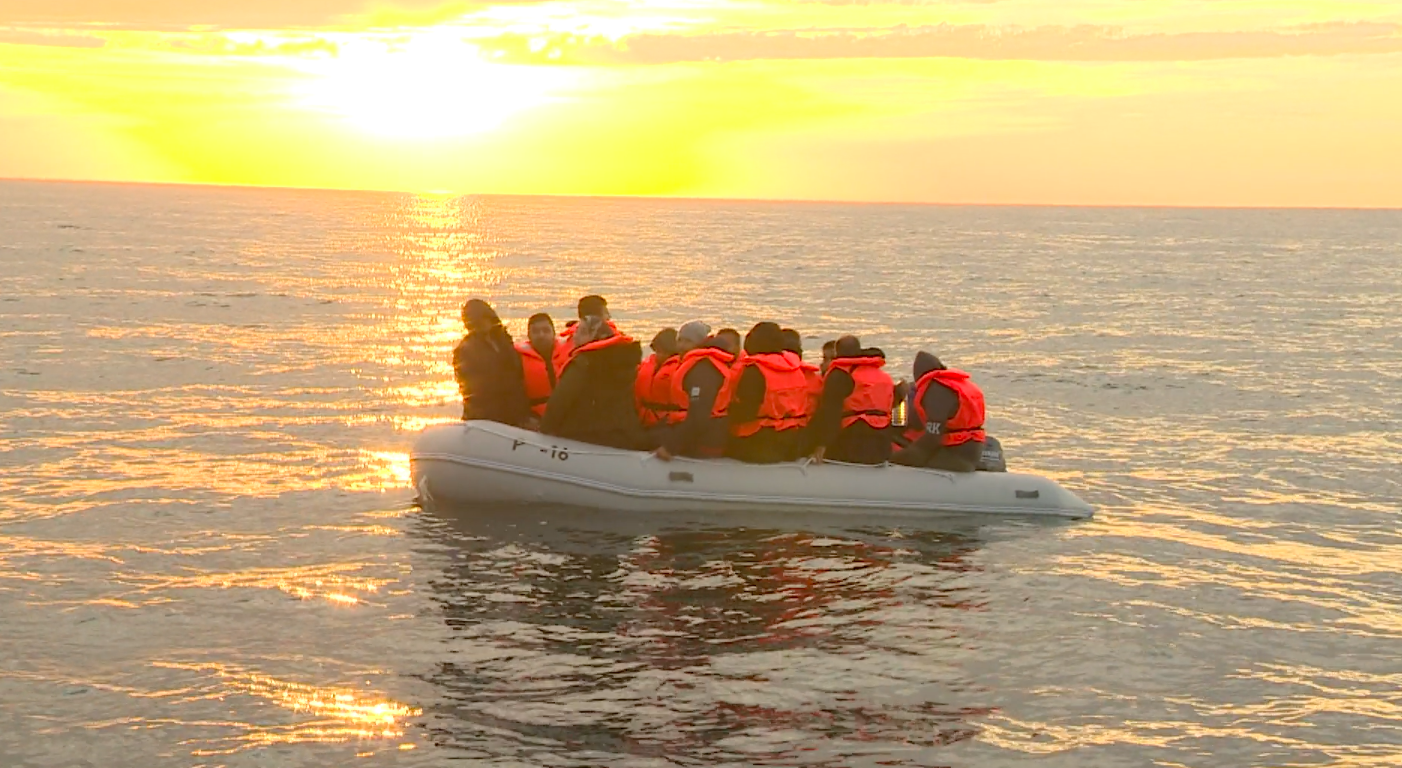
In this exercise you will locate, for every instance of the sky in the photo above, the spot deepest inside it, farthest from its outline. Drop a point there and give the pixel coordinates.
(1067, 102)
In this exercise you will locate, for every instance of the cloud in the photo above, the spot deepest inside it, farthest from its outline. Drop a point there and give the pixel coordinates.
(11, 36)
(227, 14)
(1049, 43)
(220, 45)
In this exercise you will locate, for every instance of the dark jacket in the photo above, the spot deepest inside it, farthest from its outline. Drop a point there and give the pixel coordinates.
(490, 379)
(701, 434)
(593, 402)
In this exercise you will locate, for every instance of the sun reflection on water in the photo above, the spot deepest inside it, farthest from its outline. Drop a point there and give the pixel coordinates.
(380, 471)
(340, 714)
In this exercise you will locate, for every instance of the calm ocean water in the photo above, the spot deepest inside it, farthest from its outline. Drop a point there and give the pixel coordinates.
(209, 553)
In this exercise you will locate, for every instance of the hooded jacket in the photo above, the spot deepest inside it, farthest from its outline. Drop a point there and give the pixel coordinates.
(490, 378)
(593, 401)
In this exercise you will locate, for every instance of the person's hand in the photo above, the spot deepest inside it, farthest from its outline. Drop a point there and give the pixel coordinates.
(819, 453)
(662, 453)
(532, 423)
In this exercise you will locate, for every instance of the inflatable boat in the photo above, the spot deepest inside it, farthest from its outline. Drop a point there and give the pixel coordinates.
(475, 462)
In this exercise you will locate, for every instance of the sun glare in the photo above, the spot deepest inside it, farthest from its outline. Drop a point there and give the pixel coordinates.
(432, 86)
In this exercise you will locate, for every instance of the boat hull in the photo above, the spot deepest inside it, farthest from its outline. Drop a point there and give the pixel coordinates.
(478, 462)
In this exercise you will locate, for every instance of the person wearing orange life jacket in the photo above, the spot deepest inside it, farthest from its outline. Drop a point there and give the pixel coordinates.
(946, 425)
(706, 365)
(768, 400)
(652, 392)
(855, 411)
(593, 401)
(793, 344)
(543, 357)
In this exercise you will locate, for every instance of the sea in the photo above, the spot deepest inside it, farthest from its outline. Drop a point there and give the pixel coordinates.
(211, 554)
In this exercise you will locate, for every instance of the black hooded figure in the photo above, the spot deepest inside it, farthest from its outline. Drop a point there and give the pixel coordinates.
(488, 369)
(940, 404)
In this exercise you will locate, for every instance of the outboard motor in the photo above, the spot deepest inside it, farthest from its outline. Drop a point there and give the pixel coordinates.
(992, 459)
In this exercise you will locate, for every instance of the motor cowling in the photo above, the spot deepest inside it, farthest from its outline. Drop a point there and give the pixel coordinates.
(993, 459)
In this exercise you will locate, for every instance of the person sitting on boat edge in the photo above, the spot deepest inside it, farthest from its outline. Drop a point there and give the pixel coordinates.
(768, 400)
(488, 369)
(855, 410)
(706, 365)
(652, 391)
(946, 429)
(543, 357)
(593, 401)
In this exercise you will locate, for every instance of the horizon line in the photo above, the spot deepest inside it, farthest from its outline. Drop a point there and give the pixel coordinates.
(701, 198)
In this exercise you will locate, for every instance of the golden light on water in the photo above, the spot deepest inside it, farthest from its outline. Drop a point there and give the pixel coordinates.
(340, 714)
(379, 471)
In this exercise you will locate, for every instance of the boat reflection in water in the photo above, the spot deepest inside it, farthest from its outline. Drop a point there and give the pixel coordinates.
(603, 637)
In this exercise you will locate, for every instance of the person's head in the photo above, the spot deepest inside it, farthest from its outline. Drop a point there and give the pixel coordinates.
(764, 339)
(829, 352)
(692, 335)
(591, 328)
(847, 346)
(793, 342)
(926, 362)
(593, 305)
(540, 329)
(664, 344)
(728, 339)
(478, 315)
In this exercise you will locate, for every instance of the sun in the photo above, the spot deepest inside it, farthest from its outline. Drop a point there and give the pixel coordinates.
(429, 86)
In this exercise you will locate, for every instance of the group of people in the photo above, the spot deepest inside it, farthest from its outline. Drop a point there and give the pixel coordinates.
(705, 394)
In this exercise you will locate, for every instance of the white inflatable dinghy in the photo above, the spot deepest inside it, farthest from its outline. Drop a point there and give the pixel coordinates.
(480, 461)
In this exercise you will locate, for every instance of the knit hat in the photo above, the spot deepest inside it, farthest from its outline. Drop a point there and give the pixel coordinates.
(694, 332)
(764, 338)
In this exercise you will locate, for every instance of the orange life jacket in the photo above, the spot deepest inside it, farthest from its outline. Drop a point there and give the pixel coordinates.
(612, 341)
(786, 403)
(871, 398)
(540, 379)
(724, 362)
(967, 422)
(568, 333)
(652, 391)
(814, 376)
